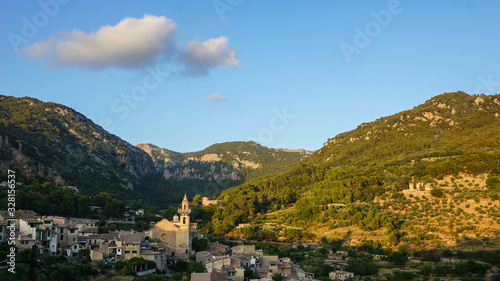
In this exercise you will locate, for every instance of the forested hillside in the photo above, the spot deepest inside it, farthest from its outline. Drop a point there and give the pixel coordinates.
(51, 141)
(450, 144)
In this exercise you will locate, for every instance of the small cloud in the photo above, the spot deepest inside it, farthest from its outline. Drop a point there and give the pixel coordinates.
(131, 43)
(217, 98)
(200, 57)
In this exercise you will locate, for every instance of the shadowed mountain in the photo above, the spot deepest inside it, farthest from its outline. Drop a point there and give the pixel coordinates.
(54, 142)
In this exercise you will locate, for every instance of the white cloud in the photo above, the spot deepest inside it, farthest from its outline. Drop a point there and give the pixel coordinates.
(134, 43)
(131, 43)
(217, 98)
(200, 57)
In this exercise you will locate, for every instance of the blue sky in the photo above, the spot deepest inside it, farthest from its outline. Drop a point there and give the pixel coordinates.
(286, 74)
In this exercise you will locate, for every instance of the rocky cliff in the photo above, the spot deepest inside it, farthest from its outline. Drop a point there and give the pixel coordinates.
(221, 165)
(55, 142)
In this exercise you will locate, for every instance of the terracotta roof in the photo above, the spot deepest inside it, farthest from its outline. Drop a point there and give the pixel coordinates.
(132, 238)
(25, 238)
(213, 276)
(89, 230)
(149, 252)
(229, 269)
(284, 265)
(107, 236)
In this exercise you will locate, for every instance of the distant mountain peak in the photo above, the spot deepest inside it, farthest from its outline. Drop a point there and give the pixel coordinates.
(221, 165)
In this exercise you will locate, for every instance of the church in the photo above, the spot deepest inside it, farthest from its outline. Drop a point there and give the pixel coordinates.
(178, 233)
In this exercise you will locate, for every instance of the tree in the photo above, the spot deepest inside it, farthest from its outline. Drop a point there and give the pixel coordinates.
(177, 276)
(491, 182)
(397, 257)
(437, 192)
(180, 266)
(249, 273)
(169, 213)
(431, 256)
(84, 255)
(134, 205)
(447, 253)
(101, 199)
(128, 270)
(460, 269)
(426, 269)
(196, 267)
(471, 266)
(120, 264)
(200, 244)
(278, 277)
(151, 277)
(362, 266)
(197, 200)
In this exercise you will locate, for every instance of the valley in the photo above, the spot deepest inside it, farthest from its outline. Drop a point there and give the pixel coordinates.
(417, 183)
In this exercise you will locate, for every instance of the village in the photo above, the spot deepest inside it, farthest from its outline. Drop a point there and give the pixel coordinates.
(163, 244)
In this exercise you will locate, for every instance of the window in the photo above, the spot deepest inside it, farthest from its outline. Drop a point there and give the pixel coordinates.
(71, 231)
(127, 252)
(183, 220)
(46, 222)
(61, 237)
(134, 252)
(74, 239)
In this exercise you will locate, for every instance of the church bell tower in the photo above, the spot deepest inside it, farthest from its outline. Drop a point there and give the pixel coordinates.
(184, 241)
(184, 213)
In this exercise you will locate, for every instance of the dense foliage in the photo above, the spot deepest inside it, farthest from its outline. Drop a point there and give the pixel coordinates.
(55, 142)
(50, 267)
(47, 199)
(449, 134)
(246, 160)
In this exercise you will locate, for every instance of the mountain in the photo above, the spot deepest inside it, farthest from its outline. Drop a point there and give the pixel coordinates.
(54, 142)
(222, 165)
(446, 150)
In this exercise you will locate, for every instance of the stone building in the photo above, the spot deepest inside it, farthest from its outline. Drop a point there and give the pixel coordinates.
(207, 202)
(178, 233)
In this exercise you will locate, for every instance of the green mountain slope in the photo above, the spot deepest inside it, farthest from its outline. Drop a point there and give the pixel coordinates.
(446, 138)
(54, 142)
(222, 165)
